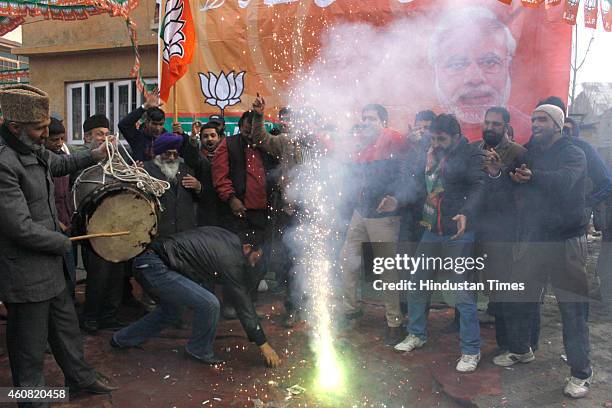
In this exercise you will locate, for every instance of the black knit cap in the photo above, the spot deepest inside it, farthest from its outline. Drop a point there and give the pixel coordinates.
(56, 127)
(95, 121)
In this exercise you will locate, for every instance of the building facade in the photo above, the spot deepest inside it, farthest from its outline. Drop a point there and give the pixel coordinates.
(85, 65)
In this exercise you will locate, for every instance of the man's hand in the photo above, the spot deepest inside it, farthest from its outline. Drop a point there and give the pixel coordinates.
(461, 225)
(259, 105)
(100, 153)
(492, 162)
(238, 209)
(192, 183)
(272, 359)
(177, 128)
(152, 99)
(521, 174)
(387, 204)
(195, 128)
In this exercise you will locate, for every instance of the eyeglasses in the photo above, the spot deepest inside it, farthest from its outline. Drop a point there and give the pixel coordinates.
(489, 64)
(171, 153)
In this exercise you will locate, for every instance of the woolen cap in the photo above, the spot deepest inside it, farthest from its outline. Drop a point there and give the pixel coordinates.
(24, 104)
(95, 121)
(555, 113)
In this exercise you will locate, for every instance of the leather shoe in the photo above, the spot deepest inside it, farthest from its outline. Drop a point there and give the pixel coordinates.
(102, 385)
(89, 326)
(111, 324)
(211, 360)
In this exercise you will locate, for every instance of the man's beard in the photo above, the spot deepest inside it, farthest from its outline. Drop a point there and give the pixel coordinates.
(544, 138)
(491, 138)
(475, 113)
(169, 169)
(26, 140)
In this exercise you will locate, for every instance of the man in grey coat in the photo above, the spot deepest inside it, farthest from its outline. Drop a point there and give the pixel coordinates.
(32, 274)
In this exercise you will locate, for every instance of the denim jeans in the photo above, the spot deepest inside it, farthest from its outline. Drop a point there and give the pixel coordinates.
(563, 265)
(172, 292)
(604, 269)
(432, 245)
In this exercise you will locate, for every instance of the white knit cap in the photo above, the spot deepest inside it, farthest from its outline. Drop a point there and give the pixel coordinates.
(555, 113)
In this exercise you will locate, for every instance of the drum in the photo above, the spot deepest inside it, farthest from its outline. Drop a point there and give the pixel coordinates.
(106, 204)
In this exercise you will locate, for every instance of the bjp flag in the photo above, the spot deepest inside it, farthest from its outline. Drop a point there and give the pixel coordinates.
(178, 37)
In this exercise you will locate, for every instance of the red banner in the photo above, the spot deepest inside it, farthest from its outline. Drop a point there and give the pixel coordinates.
(606, 14)
(531, 3)
(459, 57)
(590, 13)
(570, 11)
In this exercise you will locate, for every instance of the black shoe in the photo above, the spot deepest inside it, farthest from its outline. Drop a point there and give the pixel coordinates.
(229, 312)
(116, 345)
(89, 326)
(111, 324)
(290, 320)
(394, 336)
(102, 385)
(212, 360)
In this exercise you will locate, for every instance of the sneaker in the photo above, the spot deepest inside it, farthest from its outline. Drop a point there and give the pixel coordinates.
(507, 359)
(468, 363)
(410, 343)
(577, 388)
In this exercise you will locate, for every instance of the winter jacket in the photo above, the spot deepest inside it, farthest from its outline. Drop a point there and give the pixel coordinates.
(552, 203)
(178, 203)
(32, 245)
(212, 253)
(238, 170)
(374, 172)
(140, 142)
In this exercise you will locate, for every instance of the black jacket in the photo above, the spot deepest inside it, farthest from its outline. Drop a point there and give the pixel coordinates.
(140, 143)
(212, 253)
(178, 203)
(463, 180)
(552, 203)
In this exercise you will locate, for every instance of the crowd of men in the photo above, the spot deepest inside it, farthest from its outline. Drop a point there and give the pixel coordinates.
(526, 207)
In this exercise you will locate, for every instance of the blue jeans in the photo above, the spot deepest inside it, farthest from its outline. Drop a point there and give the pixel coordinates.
(172, 292)
(432, 245)
(604, 269)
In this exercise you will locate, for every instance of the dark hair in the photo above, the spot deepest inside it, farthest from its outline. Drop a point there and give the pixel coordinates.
(381, 111)
(248, 115)
(502, 111)
(575, 132)
(284, 111)
(210, 125)
(56, 127)
(425, 115)
(155, 115)
(446, 123)
(553, 100)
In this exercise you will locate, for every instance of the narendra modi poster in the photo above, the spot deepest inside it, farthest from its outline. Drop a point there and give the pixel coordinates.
(459, 56)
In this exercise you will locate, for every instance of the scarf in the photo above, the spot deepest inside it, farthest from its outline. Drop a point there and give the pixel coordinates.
(432, 215)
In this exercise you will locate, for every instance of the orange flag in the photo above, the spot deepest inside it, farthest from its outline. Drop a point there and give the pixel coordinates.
(177, 32)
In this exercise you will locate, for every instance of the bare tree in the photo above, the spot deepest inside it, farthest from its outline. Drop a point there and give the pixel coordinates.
(575, 65)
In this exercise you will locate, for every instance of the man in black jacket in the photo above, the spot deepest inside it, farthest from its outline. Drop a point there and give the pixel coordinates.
(454, 181)
(179, 202)
(141, 139)
(550, 185)
(171, 272)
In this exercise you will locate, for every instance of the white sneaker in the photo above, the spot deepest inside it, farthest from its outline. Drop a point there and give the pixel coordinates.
(410, 343)
(468, 363)
(577, 388)
(507, 359)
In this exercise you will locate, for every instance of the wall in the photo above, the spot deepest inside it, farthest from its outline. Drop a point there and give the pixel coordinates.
(53, 72)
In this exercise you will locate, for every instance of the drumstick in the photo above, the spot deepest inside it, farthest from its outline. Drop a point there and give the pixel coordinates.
(99, 235)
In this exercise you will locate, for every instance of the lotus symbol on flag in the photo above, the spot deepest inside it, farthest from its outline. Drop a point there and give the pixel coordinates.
(172, 33)
(222, 90)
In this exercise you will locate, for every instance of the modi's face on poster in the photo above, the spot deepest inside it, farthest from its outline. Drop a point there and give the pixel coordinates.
(471, 54)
